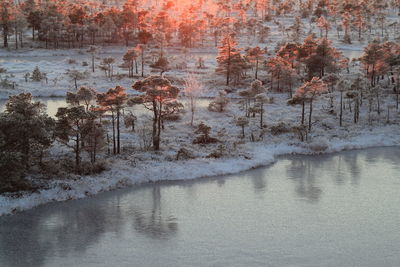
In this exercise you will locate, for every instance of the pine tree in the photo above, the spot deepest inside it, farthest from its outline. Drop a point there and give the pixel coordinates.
(309, 91)
(219, 103)
(372, 59)
(255, 56)
(324, 25)
(157, 92)
(114, 101)
(7, 9)
(84, 96)
(70, 126)
(25, 127)
(92, 50)
(75, 75)
(162, 65)
(130, 59)
(36, 75)
(228, 57)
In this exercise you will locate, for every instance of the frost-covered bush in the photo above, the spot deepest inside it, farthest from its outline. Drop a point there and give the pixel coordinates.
(172, 117)
(280, 128)
(301, 132)
(200, 63)
(346, 39)
(181, 65)
(130, 121)
(218, 153)
(204, 135)
(7, 84)
(184, 153)
(145, 136)
(242, 122)
(219, 103)
(37, 75)
(71, 61)
(88, 168)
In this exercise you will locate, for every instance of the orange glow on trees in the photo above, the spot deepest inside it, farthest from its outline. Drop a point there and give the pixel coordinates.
(158, 93)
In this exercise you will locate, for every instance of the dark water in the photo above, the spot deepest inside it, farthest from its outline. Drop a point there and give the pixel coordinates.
(330, 210)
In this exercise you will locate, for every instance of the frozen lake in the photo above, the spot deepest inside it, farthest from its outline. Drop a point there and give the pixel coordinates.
(329, 210)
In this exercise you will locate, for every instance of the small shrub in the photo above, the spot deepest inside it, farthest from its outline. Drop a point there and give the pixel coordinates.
(218, 153)
(347, 39)
(145, 136)
(88, 168)
(71, 61)
(172, 117)
(85, 64)
(301, 132)
(280, 128)
(219, 103)
(204, 137)
(7, 84)
(37, 75)
(184, 153)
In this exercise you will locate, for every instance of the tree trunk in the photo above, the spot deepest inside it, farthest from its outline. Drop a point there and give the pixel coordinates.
(309, 119)
(192, 110)
(379, 103)
(77, 152)
(92, 62)
(142, 62)
(5, 35)
(156, 144)
(113, 131)
(118, 133)
(256, 76)
(16, 38)
(302, 112)
(341, 109)
(159, 127)
(21, 43)
(228, 67)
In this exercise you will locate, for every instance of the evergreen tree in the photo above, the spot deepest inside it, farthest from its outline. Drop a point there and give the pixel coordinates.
(228, 57)
(157, 92)
(25, 128)
(7, 9)
(114, 101)
(70, 127)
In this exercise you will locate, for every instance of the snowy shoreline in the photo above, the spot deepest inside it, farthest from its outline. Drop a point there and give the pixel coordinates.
(257, 155)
